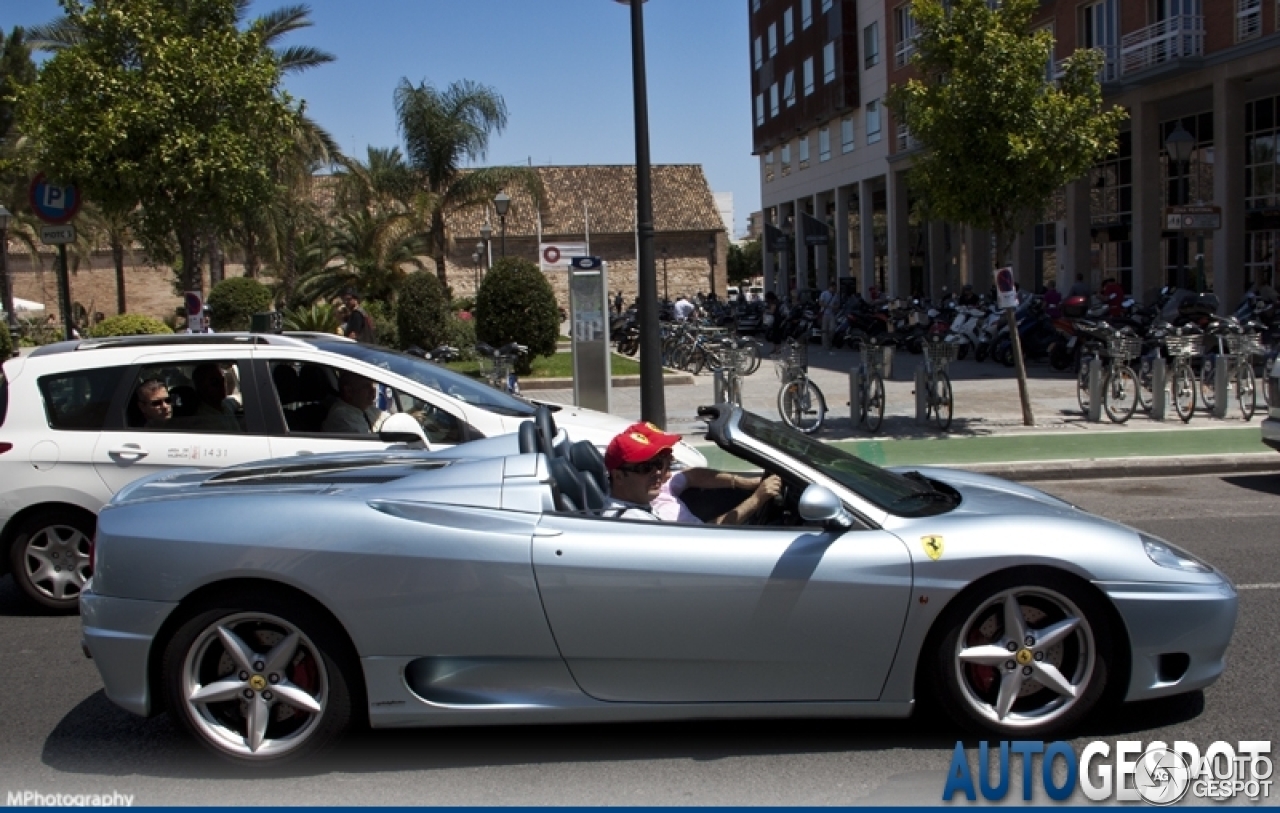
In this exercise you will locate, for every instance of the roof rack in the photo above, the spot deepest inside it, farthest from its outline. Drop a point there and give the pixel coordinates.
(202, 339)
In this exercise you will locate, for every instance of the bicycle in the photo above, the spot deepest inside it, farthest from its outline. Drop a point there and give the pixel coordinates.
(1226, 345)
(1120, 383)
(1181, 349)
(938, 402)
(732, 373)
(500, 373)
(871, 398)
(800, 402)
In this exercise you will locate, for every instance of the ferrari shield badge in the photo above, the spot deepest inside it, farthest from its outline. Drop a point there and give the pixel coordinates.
(932, 546)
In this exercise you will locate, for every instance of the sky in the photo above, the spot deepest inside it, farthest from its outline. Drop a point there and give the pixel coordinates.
(562, 66)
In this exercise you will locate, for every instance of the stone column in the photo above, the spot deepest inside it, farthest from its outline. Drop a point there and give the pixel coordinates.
(842, 231)
(867, 234)
(800, 280)
(1229, 281)
(766, 254)
(1148, 217)
(820, 252)
(899, 234)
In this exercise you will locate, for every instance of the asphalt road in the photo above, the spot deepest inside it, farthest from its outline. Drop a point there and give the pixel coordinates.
(58, 734)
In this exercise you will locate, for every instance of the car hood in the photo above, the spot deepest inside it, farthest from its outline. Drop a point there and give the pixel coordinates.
(985, 495)
(601, 427)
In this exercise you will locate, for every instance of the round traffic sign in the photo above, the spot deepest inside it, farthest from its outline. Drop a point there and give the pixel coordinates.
(551, 254)
(51, 203)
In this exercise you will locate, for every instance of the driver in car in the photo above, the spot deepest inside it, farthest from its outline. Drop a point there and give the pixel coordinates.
(642, 486)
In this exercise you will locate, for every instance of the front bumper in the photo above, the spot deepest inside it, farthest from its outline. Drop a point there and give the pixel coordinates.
(1178, 634)
(119, 633)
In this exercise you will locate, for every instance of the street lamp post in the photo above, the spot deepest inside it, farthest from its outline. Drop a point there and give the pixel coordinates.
(711, 246)
(486, 231)
(10, 316)
(1179, 145)
(501, 203)
(653, 406)
(477, 257)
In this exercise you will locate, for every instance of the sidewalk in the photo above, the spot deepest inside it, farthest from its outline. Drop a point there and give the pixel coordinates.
(987, 431)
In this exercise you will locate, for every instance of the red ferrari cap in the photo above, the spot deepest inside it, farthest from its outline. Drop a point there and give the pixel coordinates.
(638, 443)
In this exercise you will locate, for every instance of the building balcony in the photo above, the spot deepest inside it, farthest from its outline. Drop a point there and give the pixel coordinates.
(1109, 72)
(1167, 41)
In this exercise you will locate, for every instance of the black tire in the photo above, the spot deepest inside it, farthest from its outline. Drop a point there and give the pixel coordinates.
(1182, 389)
(1208, 388)
(972, 630)
(49, 557)
(1082, 387)
(980, 351)
(1145, 395)
(801, 405)
(962, 350)
(1120, 393)
(1060, 358)
(875, 403)
(1246, 389)
(319, 668)
(940, 401)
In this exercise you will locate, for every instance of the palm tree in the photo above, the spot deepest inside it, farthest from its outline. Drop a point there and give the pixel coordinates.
(373, 249)
(441, 130)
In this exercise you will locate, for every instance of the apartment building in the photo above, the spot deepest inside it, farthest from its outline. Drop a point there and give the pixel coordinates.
(1207, 70)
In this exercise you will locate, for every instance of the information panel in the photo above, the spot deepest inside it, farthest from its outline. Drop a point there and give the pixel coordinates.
(589, 323)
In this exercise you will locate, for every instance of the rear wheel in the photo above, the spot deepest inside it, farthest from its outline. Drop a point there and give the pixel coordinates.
(49, 557)
(1145, 394)
(1082, 385)
(940, 401)
(1023, 655)
(259, 681)
(874, 404)
(801, 406)
(1183, 387)
(1208, 388)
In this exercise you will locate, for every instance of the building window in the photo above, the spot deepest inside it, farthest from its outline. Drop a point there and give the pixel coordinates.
(829, 63)
(904, 36)
(824, 144)
(789, 89)
(1262, 131)
(873, 121)
(806, 13)
(768, 166)
(773, 100)
(757, 53)
(759, 109)
(773, 40)
(826, 6)
(786, 159)
(788, 26)
(846, 135)
(871, 44)
(804, 152)
(1248, 19)
(1099, 28)
(808, 76)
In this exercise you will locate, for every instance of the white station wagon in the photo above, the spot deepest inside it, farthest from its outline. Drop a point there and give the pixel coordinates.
(72, 435)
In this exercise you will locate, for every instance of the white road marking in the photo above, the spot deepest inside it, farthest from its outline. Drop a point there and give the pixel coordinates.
(1262, 586)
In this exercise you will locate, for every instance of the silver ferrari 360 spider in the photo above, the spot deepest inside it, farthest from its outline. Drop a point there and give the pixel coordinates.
(270, 606)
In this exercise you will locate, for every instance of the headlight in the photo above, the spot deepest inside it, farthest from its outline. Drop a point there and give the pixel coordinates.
(1171, 556)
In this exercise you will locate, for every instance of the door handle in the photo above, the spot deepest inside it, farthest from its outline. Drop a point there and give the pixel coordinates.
(132, 450)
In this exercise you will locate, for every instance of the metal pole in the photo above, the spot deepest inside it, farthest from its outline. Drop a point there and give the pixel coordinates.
(653, 406)
(503, 218)
(11, 318)
(64, 292)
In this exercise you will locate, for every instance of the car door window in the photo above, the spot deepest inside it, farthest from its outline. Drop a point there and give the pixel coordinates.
(201, 397)
(80, 400)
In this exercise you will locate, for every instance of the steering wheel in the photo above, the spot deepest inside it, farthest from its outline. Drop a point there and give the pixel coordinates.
(771, 511)
(546, 427)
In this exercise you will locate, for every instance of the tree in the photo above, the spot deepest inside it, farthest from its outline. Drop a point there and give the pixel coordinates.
(372, 250)
(233, 302)
(166, 111)
(746, 262)
(998, 139)
(422, 312)
(16, 71)
(515, 303)
(441, 129)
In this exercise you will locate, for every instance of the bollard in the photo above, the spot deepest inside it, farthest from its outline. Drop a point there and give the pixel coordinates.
(855, 394)
(1095, 390)
(922, 399)
(717, 385)
(1220, 391)
(1159, 389)
(888, 363)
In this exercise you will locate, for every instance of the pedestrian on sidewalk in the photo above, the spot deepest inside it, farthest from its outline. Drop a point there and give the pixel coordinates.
(828, 304)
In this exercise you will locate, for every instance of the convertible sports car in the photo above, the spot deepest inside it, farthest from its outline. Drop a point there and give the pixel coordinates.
(270, 606)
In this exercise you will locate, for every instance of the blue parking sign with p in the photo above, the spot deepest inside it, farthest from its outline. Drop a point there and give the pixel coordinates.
(53, 203)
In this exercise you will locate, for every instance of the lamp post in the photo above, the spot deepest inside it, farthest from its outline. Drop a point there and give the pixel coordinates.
(666, 294)
(653, 406)
(477, 257)
(1179, 145)
(10, 317)
(711, 246)
(502, 203)
(486, 231)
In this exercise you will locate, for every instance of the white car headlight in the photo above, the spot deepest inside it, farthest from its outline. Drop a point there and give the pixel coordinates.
(1171, 556)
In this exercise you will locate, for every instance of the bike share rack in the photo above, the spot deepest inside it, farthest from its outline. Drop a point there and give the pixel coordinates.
(855, 381)
(1159, 388)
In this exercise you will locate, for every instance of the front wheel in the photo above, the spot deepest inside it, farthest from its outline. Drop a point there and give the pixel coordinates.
(801, 405)
(1183, 386)
(1208, 383)
(1246, 389)
(940, 401)
(49, 558)
(258, 681)
(1022, 655)
(875, 403)
(1120, 393)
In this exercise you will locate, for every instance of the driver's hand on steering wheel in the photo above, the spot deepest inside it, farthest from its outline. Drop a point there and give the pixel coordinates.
(770, 488)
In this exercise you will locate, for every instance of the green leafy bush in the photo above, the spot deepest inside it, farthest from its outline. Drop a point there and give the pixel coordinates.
(128, 324)
(320, 318)
(235, 300)
(422, 312)
(516, 304)
(462, 335)
(6, 343)
(386, 331)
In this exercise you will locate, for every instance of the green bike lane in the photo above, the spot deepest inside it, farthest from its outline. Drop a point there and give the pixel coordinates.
(1031, 448)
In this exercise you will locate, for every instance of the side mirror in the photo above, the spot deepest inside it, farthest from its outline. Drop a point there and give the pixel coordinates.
(820, 504)
(402, 428)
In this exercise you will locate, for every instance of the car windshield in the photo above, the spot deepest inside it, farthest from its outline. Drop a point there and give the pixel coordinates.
(434, 376)
(904, 495)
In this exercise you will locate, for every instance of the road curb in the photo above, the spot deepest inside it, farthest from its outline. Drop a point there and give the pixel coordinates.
(1107, 468)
